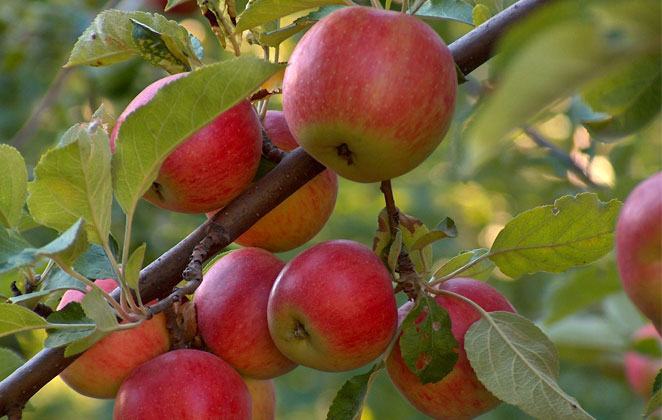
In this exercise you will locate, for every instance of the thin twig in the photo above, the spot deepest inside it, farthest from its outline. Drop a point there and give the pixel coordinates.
(561, 156)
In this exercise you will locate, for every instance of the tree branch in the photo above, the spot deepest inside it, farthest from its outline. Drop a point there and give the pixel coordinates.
(158, 279)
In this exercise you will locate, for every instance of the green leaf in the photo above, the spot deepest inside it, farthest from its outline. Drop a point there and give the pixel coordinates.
(412, 229)
(480, 14)
(548, 56)
(13, 184)
(348, 402)
(29, 300)
(576, 230)
(9, 362)
(96, 308)
(427, 344)
(478, 271)
(65, 248)
(109, 39)
(16, 318)
(445, 229)
(26, 222)
(71, 314)
(94, 264)
(153, 47)
(277, 36)
(580, 289)
(655, 402)
(152, 132)
(446, 9)
(394, 251)
(260, 12)
(84, 343)
(11, 245)
(133, 266)
(73, 181)
(641, 112)
(519, 365)
(650, 347)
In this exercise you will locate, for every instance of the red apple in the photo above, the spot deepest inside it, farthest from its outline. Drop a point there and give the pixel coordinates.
(231, 306)
(332, 307)
(183, 385)
(263, 396)
(303, 214)
(369, 93)
(459, 395)
(210, 168)
(99, 371)
(641, 369)
(639, 248)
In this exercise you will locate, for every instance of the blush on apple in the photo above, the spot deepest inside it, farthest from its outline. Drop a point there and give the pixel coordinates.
(303, 214)
(459, 395)
(641, 369)
(99, 371)
(332, 307)
(212, 166)
(639, 248)
(231, 306)
(369, 93)
(183, 385)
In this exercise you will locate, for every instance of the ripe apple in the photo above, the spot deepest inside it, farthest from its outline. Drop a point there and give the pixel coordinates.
(641, 369)
(183, 385)
(459, 395)
(231, 306)
(99, 371)
(263, 396)
(369, 93)
(303, 214)
(332, 307)
(639, 248)
(210, 168)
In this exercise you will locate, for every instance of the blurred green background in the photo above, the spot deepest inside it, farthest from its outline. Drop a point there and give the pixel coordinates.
(35, 40)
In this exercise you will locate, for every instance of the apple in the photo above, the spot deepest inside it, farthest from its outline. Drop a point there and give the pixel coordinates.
(263, 396)
(641, 369)
(639, 248)
(184, 385)
(99, 371)
(303, 214)
(231, 307)
(212, 166)
(332, 307)
(369, 93)
(459, 395)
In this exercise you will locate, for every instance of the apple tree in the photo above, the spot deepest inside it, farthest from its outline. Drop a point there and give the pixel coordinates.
(465, 160)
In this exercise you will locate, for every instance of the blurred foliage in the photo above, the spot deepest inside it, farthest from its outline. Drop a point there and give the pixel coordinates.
(35, 40)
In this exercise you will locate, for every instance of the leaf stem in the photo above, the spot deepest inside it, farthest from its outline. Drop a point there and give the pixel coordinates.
(464, 267)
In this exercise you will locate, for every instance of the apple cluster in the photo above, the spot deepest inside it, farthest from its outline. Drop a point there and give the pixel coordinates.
(332, 307)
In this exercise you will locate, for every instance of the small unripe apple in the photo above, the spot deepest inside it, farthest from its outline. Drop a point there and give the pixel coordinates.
(303, 214)
(99, 371)
(641, 369)
(183, 385)
(459, 395)
(231, 307)
(212, 166)
(369, 93)
(332, 307)
(263, 396)
(639, 248)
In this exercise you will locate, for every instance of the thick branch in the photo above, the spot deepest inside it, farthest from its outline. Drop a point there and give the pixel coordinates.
(158, 279)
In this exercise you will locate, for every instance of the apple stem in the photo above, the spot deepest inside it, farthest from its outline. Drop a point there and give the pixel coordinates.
(405, 6)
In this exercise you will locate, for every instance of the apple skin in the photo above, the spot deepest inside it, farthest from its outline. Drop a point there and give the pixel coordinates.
(369, 93)
(99, 371)
(263, 396)
(212, 166)
(184, 385)
(639, 248)
(459, 395)
(641, 369)
(231, 307)
(332, 307)
(303, 214)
